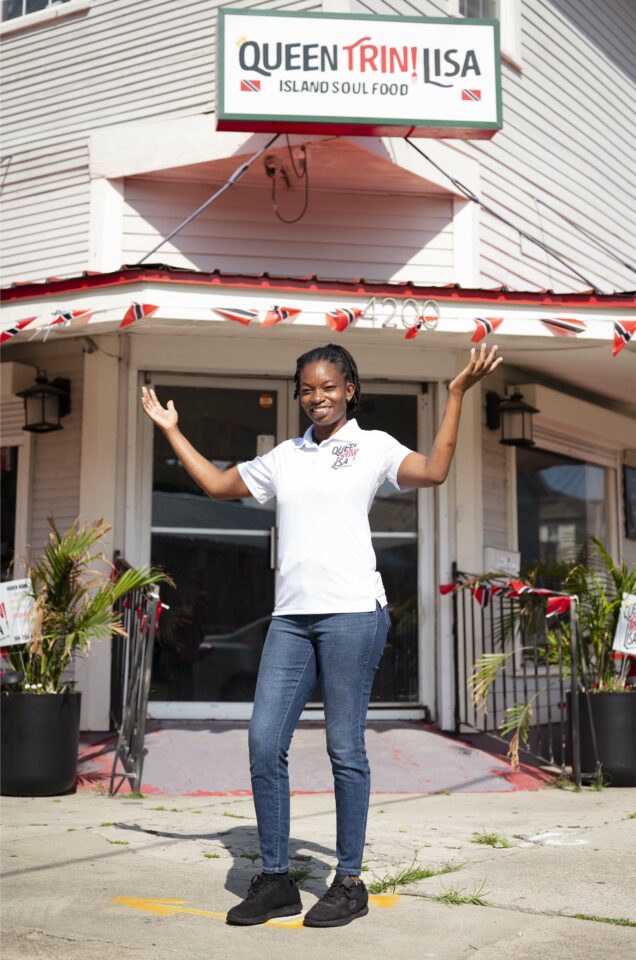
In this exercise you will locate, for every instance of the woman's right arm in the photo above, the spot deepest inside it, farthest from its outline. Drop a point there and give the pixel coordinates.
(220, 484)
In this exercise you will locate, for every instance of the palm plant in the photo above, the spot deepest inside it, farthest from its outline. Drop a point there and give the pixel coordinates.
(599, 587)
(74, 603)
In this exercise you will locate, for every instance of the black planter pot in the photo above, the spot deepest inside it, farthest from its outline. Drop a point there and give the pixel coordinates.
(614, 718)
(40, 738)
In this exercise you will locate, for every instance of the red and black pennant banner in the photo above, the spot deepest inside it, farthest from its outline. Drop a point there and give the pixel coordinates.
(339, 319)
(136, 311)
(483, 592)
(15, 329)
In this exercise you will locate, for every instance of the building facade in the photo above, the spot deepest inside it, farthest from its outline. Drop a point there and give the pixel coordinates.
(109, 142)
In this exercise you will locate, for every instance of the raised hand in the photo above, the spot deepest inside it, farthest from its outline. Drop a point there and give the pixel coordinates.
(165, 417)
(479, 366)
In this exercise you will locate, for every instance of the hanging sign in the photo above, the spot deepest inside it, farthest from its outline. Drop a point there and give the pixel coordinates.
(17, 609)
(625, 637)
(358, 74)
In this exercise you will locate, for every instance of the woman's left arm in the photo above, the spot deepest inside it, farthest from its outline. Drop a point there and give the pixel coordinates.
(417, 470)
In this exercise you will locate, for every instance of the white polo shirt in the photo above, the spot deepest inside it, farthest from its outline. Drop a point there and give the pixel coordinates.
(325, 491)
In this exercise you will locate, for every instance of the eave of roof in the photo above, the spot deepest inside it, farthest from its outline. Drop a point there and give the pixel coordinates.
(161, 273)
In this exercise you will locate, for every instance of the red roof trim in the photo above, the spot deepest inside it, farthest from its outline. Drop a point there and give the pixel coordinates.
(357, 287)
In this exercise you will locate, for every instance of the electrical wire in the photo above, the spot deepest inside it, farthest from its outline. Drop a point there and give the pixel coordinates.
(231, 180)
(590, 236)
(302, 175)
(467, 192)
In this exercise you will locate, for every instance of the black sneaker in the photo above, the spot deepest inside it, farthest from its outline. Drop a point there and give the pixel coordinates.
(269, 895)
(345, 900)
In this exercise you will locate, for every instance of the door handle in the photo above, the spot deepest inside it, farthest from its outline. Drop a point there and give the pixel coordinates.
(273, 547)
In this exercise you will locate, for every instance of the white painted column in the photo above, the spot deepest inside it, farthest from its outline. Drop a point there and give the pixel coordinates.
(469, 500)
(465, 242)
(98, 475)
(446, 552)
(106, 228)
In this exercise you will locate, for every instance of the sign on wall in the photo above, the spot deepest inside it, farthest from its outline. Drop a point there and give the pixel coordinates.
(358, 74)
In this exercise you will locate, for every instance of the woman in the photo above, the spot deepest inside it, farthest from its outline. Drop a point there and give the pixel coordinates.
(330, 618)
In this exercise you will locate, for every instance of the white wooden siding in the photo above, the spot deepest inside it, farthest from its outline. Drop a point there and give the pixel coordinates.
(568, 139)
(55, 457)
(342, 235)
(123, 60)
(495, 487)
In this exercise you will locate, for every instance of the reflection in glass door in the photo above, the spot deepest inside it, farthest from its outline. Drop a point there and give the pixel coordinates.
(219, 553)
(393, 520)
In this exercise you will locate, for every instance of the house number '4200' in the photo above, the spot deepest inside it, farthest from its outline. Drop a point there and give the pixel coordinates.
(389, 312)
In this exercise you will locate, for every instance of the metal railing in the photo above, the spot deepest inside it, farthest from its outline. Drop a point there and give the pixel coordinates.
(130, 681)
(538, 651)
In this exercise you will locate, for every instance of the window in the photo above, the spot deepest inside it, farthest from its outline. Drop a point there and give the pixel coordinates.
(561, 502)
(508, 12)
(19, 8)
(485, 9)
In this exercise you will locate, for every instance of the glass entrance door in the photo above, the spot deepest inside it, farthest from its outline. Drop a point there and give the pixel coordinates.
(393, 520)
(219, 553)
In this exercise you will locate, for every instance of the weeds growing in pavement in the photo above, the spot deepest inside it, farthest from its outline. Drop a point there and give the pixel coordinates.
(212, 856)
(632, 816)
(599, 781)
(491, 839)
(563, 782)
(617, 921)
(300, 874)
(118, 843)
(456, 896)
(410, 874)
(251, 856)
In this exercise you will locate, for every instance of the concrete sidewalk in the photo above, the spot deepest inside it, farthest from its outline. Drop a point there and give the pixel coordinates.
(151, 879)
(209, 758)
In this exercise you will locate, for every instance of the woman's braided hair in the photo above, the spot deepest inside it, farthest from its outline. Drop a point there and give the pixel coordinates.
(341, 359)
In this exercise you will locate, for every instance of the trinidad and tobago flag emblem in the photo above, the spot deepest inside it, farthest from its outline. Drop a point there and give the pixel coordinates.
(485, 325)
(279, 315)
(471, 94)
(564, 326)
(11, 332)
(624, 330)
(250, 86)
(136, 311)
(235, 313)
(413, 331)
(342, 317)
(65, 317)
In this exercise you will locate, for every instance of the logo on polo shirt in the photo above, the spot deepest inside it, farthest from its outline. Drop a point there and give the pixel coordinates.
(345, 454)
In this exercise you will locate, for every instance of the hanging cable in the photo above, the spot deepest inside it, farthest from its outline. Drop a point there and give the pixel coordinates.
(234, 178)
(303, 174)
(590, 236)
(467, 192)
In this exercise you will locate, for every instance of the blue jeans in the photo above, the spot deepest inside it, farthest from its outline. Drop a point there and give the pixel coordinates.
(344, 650)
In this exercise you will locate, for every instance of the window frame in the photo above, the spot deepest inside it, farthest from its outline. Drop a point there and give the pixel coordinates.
(50, 14)
(24, 443)
(510, 29)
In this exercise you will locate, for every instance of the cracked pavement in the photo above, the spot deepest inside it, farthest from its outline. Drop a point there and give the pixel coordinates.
(90, 876)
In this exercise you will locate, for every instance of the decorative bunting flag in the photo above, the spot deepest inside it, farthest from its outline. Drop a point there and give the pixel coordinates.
(235, 313)
(485, 325)
(66, 317)
(564, 326)
(413, 331)
(485, 592)
(136, 311)
(279, 315)
(342, 317)
(624, 330)
(11, 332)
(558, 605)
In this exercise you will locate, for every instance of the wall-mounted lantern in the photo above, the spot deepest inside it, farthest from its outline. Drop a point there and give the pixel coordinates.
(513, 415)
(45, 404)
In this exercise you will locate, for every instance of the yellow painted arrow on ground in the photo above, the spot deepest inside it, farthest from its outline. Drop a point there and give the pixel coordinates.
(167, 908)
